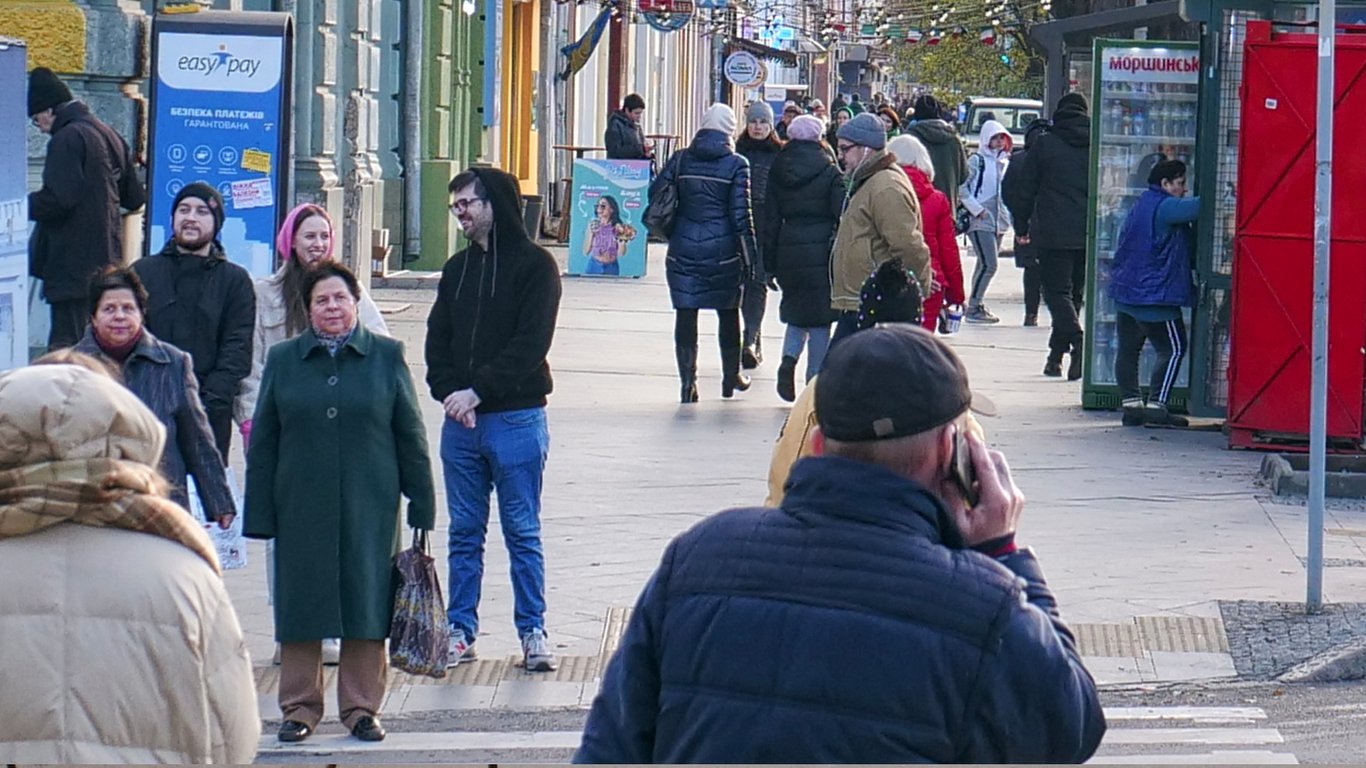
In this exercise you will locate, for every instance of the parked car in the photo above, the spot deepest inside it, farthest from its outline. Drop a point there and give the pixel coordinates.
(1014, 114)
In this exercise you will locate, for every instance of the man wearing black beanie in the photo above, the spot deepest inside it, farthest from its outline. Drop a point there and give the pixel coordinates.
(202, 303)
(88, 176)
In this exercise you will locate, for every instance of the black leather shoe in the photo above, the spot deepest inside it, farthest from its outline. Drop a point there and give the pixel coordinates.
(293, 731)
(1052, 369)
(368, 729)
(1031, 320)
(750, 357)
(1074, 367)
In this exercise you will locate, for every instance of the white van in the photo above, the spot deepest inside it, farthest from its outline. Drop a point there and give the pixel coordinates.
(1014, 114)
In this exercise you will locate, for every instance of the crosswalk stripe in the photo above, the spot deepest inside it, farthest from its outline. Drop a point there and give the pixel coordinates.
(1212, 758)
(1197, 714)
(453, 741)
(1193, 736)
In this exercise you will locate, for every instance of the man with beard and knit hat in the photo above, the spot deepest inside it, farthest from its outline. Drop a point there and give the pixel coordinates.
(88, 176)
(202, 303)
(947, 154)
(1049, 187)
(881, 220)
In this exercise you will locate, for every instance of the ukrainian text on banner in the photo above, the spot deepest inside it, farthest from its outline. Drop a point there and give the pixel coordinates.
(219, 114)
(606, 236)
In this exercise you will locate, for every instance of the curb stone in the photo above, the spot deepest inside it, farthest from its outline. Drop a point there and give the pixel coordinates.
(1343, 663)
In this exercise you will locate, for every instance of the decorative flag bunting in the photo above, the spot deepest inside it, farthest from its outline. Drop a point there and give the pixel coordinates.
(913, 36)
(988, 36)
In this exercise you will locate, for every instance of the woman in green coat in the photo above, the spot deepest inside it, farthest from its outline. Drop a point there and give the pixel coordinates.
(336, 438)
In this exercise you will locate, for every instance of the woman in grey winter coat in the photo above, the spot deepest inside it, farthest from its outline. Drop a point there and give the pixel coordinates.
(759, 144)
(162, 377)
(981, 195)
(625, 139)
(712, 246)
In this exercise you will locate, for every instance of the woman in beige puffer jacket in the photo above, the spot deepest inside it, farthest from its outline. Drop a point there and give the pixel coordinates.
(120, 642)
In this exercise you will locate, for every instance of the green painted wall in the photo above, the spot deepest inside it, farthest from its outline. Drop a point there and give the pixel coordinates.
(452, 82)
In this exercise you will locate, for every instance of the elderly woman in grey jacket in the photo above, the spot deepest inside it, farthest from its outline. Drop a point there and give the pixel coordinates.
(162, 377)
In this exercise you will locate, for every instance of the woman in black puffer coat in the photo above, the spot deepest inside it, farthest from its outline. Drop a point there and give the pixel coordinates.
(806, 197)
(712, 246)
(759, 144)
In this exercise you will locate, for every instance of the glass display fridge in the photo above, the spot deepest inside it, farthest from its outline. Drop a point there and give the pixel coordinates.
(1144, 97)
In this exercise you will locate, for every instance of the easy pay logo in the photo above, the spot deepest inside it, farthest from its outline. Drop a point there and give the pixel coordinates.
(220, 59)
(247, 64)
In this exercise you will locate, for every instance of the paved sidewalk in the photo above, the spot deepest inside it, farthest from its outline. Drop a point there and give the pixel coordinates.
(1141, 532)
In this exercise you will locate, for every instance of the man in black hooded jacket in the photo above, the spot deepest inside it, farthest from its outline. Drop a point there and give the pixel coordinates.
(1047, 191)
(87, 176)
(488, 335)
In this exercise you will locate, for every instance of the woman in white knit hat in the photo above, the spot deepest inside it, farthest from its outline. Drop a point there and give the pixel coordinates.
(712, 246)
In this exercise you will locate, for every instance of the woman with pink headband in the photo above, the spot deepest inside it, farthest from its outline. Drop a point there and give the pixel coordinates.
(305, 238)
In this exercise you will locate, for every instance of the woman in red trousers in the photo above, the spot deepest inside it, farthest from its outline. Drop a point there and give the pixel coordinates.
(936, 220)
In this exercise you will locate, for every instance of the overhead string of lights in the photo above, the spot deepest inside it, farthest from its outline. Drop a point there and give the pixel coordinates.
(899, 22)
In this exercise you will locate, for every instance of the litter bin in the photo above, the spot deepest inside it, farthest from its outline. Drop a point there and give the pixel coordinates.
(531, 215)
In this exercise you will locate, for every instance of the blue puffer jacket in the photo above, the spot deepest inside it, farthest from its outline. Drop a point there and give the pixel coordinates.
(1152, 263)
(843, 627)
(713, 237)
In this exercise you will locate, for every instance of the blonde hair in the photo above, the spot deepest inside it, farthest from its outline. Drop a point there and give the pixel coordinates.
(909, 151)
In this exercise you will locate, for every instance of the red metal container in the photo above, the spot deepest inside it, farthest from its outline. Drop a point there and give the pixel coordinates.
(1273, 267)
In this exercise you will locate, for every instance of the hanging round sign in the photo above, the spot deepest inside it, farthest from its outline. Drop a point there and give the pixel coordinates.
(742, 68)
(670, 21)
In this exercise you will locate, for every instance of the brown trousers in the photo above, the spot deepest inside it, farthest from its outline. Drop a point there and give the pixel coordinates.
(361, 679)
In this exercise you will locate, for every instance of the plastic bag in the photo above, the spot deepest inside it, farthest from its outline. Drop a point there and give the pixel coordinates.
(419, 637)
(230, 543)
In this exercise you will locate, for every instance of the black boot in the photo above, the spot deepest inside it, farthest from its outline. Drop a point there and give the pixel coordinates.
(687, 372)
(1052, 367)
(787, 378)
(1074, 365)
(753, 353)
(731, 378)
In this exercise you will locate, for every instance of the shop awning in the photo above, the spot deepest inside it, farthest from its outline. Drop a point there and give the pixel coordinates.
(762, 51)
(807, 45)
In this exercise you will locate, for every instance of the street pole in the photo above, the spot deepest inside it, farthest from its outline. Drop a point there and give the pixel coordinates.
(1318, 387)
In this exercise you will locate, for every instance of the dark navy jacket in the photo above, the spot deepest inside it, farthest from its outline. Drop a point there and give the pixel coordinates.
(843, 627)
(1152, 263)
(713, 231)
(162, 377)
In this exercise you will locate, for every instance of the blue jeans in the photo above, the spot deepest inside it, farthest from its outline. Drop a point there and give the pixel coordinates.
(596, 267)
(817, 340)
(506, 451)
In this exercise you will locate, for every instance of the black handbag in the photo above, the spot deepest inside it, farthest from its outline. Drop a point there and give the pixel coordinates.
(660, 214)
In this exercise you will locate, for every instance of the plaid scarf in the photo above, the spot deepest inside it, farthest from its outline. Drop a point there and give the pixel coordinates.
(103, 493)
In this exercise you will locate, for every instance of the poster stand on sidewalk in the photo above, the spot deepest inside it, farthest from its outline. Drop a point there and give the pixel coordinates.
(606, 236)
(221, 93)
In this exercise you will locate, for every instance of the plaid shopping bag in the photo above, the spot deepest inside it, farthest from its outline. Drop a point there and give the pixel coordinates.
(419, 637)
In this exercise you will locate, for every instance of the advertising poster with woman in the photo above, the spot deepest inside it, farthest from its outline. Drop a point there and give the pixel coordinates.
(606, 236)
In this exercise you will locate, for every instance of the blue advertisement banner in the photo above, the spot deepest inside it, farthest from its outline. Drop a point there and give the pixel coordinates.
(606, 236)
(218, 115)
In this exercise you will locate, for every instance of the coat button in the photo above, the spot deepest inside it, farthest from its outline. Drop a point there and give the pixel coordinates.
(331, 413)
(331, 381)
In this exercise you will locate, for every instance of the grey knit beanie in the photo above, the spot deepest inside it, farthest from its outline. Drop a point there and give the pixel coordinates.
(864, 130)
(759, 110)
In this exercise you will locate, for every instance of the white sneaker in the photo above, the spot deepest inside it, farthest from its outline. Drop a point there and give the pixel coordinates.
(460, 649)
(536, 655)
(332, 651)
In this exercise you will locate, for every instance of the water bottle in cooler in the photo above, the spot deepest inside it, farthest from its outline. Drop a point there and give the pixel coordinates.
(1140, 122)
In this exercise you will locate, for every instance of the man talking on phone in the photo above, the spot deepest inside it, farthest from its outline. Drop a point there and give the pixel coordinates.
(876, 616)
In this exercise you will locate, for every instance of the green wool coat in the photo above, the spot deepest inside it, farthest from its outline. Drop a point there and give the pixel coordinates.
(334, 442)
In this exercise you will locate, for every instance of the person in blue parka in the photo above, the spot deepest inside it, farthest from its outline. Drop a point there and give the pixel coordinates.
(1150, 282)
(712, 246)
